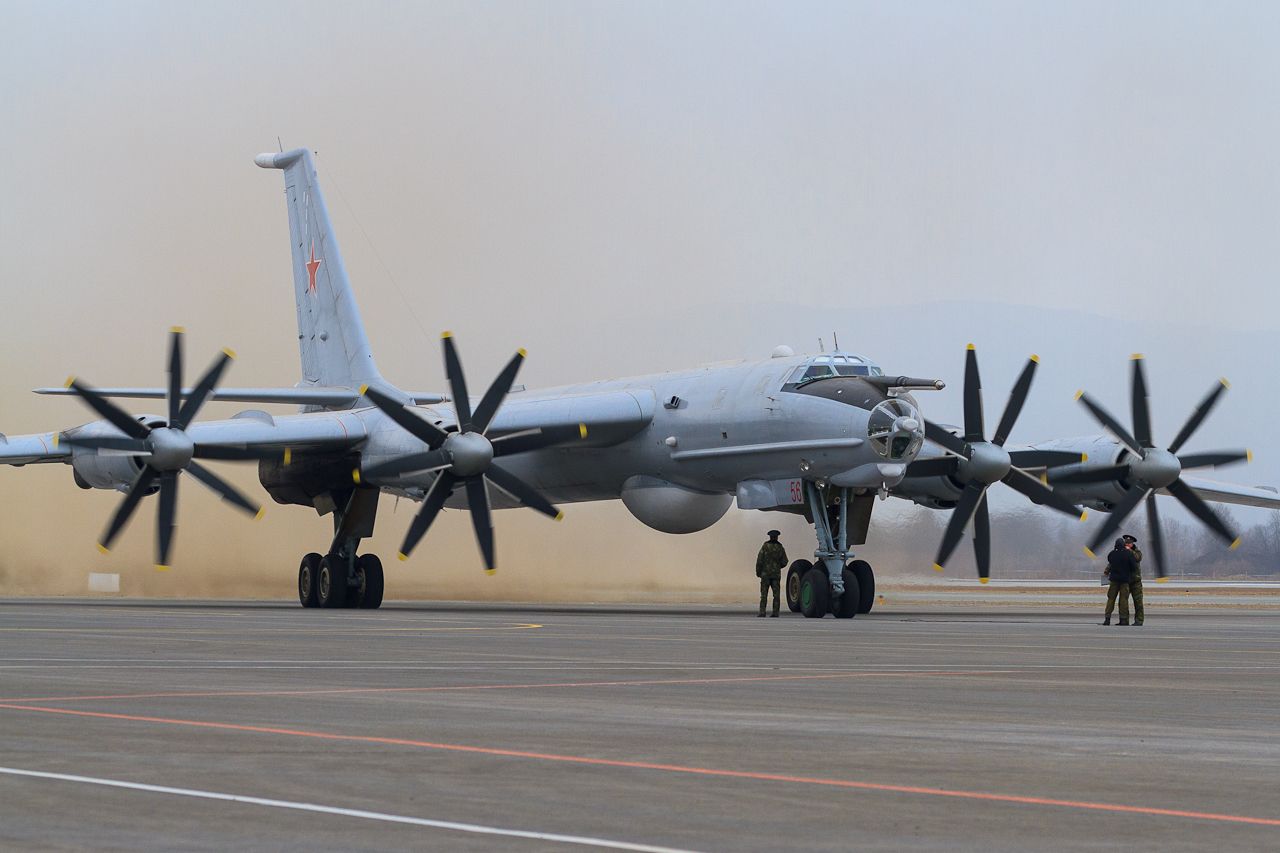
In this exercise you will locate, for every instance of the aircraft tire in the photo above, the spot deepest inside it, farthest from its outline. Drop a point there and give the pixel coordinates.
(308, 578)
(846, 607)
(332, 588)
(866, 584)
(370, 568)
(794, 574)
(815, 594)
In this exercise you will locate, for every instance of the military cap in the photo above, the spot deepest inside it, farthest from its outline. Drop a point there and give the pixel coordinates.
(774, 533)
(1129, 538)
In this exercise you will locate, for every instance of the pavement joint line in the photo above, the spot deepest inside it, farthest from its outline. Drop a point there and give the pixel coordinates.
(449, 688)
(344, 812)
(850, 784)
(245, 629)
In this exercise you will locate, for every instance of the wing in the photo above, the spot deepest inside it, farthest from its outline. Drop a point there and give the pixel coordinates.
(335, 398)
(27, 449)
(316, 431)
(1229, 493)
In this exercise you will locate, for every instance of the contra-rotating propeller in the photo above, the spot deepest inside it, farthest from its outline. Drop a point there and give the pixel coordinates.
(980, 464)
(465, 457)
(166, 451)
(1149, 468)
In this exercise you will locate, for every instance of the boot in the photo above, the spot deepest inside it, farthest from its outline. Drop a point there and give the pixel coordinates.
(774, 614)
(1124, 621)
(1106, 620)
(760, 614)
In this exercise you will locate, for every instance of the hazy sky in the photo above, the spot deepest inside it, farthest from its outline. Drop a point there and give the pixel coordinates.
(632, 187)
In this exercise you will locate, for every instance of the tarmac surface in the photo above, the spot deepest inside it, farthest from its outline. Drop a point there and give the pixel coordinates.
(179, 725)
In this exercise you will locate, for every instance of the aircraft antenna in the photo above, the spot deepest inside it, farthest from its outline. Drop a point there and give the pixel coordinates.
(281, 144)
(835, 343)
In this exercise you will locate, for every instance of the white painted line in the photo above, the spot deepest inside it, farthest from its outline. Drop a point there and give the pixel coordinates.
(360, 813)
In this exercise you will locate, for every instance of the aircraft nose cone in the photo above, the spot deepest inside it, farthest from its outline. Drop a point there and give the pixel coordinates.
(171, 449)
(1157, 469)
(988, 464)
(472, 453)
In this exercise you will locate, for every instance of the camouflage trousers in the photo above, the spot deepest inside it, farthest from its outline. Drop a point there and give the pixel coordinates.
(1135, 589)
(1121, 589)
(769, 582)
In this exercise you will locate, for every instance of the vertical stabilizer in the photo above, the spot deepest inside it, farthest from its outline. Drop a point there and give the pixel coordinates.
(331, 337)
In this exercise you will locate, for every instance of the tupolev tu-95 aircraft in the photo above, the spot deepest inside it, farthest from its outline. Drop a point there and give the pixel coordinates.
(821, 436)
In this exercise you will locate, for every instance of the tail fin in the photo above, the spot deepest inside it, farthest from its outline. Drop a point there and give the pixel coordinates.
(335, 351)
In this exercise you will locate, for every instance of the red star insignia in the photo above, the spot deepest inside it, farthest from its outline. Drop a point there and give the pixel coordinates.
(312, 266)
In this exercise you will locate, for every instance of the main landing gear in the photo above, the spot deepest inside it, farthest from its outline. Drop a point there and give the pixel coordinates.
(343, 578)
(834, 584)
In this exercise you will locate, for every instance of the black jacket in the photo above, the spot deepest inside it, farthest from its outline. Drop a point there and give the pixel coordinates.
(1121, 565)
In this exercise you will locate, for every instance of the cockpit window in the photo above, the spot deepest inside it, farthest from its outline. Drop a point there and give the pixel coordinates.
(838, 364)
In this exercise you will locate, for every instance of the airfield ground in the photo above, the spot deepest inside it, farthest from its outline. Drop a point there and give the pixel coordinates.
(1016, 724)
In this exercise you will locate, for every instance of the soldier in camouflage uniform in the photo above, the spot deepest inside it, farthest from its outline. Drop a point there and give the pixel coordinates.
(1135, 583)
(769, 564)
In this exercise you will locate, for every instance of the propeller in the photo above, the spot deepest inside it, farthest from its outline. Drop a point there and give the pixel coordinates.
(978, 464)
(465, 457)
(1148, 469)
(166, 451)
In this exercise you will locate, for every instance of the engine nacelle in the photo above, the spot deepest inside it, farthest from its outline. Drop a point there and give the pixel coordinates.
(96, 469)
(1101, 452)
(670, 508)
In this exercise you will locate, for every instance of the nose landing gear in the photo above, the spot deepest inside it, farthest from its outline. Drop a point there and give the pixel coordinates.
(833, 584)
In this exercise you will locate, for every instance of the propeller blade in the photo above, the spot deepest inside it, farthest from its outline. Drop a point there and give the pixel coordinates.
(1111, 424)
(537, 439)
(1156, 534)
(231, 453)
(1090, 475)
(1209, 460)
(419, 462)
(522, 491)
(110, 411)
(1127, 504)
(1039, 493)
(939, 466)
(420, 429)
(141, 484)
(938, 435)
(973, 425)
(431, 504)
(175, 372)
(965, 508)
(166, 517)
(224, 489)
(1141, 405)
(497, 392)
(457, 383)
(1017, 398)
(982, 540)
(200, 393)
(478, 503)
(107, 442)
(1197, 417)
(1045, 458)
(1200, 510)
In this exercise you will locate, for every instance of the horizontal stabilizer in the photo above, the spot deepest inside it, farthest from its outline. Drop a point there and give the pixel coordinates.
(332, 398)
(1230, 493)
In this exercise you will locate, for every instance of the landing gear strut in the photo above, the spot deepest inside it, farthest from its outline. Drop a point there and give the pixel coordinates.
(343, 578)
(832, 584)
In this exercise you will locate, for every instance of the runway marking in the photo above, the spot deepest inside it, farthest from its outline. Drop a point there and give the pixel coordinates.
(245, 630)
(335, 810)
(329, 691)
(983, 796)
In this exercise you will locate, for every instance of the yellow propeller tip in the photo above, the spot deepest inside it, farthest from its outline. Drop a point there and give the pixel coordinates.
(491, 572)
(355, 475)
(1035, 358)
(1044, 478)
(1079, 394)
(257, 516)
(524, 353)
(178, 330)
(363, 389)
(970, 346)
(161, 568)
(446, 334)
(1084, 457)
(1162, 580)
(559, 516)
(103, 549)
(983, 580)
(228, 352)
(1084, 515)
(288, 455)
(1225, 383)
(71, 380)
(56, 439)
(1248, 456)
(937, 567)
(1137, 356)
(1089, 553)
(1236, 544)
(402, 556)
(582, 430)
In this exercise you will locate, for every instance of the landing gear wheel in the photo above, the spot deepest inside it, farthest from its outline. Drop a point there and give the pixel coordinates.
(309, 580)
(866, 584)
(815, 594)
(846, 606)
(369, 570)
(332, 589)
(794, 574)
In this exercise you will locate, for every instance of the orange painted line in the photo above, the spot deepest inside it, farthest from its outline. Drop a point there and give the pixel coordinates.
(328, 691)
(671, 768)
